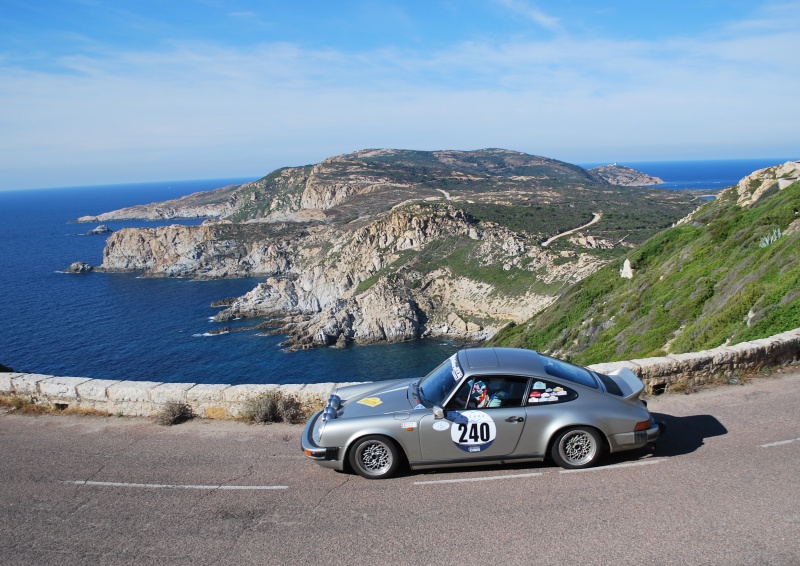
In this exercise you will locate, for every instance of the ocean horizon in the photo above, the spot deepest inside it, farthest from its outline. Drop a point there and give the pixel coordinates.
(120, 326)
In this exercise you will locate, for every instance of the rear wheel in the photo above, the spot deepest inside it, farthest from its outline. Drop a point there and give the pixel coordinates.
(576, 448)
(374, 457)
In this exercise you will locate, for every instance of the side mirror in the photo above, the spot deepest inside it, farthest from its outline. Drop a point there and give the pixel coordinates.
(438, 412)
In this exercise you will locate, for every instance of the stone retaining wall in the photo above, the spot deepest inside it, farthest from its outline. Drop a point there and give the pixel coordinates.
(219, 401)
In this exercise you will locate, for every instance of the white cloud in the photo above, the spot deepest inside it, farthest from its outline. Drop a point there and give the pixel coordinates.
(531, 13)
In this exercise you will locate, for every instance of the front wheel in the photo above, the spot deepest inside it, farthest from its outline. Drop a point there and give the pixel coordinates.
(374, 457)
(577, 448)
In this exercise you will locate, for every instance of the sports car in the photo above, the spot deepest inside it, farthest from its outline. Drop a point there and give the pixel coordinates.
(482, 406)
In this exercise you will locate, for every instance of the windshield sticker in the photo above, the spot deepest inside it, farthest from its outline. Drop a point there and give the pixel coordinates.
(457, 373)
(441, 425)
(539, 385)
(370, 401)
(472, 431)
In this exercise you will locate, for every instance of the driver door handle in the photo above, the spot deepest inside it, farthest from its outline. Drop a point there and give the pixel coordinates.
(514, 419)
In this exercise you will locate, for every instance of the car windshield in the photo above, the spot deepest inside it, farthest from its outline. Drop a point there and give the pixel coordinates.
(437, 385)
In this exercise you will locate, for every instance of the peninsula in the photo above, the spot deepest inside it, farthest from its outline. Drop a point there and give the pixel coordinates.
(392, 245)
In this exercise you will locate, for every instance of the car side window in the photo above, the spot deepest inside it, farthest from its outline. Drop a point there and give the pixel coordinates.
(490, 392)
(546, 392)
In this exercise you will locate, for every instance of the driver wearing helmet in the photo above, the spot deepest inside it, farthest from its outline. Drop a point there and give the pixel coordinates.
(479, 396)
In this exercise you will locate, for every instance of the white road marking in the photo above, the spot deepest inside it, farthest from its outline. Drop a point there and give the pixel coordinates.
(168, 486)
(613, 466)
(489, 478)
(512, 476)
(780, 443)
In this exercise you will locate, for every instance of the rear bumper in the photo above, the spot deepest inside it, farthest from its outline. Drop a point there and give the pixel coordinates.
(639, 439)
(327, 457)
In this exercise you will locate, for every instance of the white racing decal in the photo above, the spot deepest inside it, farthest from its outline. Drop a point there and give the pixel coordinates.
(472, 431)
(441, 425)
(457, 373)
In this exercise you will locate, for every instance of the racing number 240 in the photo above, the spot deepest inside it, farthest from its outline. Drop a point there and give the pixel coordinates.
(474, 432)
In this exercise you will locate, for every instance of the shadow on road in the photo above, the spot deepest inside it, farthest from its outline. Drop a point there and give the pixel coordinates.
(686, 434)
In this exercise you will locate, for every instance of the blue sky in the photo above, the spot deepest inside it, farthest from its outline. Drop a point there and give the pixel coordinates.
(95, 92)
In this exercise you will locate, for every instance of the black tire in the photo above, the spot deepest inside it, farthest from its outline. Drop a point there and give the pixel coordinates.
(374, 457)
(577, 448)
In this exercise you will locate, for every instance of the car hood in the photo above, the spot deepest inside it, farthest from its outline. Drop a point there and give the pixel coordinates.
(386, 397)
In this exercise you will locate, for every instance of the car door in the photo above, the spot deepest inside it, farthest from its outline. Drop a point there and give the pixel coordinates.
(484, 420)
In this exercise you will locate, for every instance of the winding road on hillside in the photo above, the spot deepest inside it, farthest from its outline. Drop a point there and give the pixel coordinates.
(595, 219)
(720, 488)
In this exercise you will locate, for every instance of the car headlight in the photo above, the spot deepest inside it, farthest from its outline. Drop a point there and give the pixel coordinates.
(318, 430)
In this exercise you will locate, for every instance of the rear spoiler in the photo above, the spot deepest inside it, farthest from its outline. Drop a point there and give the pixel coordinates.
(629, 383)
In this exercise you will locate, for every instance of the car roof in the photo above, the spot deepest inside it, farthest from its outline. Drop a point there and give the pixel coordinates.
(502, 360)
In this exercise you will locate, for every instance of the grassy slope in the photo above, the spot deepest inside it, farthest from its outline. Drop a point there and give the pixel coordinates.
(696, 285)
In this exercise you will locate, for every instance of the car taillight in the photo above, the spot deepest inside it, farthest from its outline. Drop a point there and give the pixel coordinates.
(644, 425)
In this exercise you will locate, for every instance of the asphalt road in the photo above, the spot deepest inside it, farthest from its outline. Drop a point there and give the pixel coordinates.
(721, 488)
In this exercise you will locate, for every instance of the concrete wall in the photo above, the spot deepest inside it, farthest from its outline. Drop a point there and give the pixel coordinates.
(219, 401)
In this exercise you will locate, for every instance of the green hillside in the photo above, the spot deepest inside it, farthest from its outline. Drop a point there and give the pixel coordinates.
(728, 275)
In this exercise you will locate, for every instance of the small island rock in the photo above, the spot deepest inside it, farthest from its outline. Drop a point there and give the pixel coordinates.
(101, 229)
(80, 267)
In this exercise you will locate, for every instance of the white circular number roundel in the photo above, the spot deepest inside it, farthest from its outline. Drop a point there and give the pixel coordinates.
(472, 431)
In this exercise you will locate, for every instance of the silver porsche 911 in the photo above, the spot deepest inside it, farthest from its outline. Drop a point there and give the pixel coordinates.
(481, 406)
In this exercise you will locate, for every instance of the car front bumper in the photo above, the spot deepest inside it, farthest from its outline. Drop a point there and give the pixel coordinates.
(327, 457)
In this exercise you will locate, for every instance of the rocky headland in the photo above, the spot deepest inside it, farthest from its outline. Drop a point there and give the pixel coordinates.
(393, 245)
(625, 176)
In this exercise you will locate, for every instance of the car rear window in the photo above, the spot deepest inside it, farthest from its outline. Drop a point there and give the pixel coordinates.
(611, 385)
(567, 371)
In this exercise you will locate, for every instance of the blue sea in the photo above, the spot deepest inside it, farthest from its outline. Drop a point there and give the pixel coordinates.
(119, 326)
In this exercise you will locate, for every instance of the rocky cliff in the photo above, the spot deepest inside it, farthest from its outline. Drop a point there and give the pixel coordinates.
(390, 245)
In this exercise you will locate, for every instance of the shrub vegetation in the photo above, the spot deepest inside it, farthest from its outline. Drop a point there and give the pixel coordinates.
(695, 286)
(273, 407)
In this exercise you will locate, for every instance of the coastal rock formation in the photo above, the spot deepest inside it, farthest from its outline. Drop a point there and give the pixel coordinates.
(205, 204)
(208, 251)
(764, 182)
(80, 267)
(99, 230)
(625, 176)
(392, 245)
